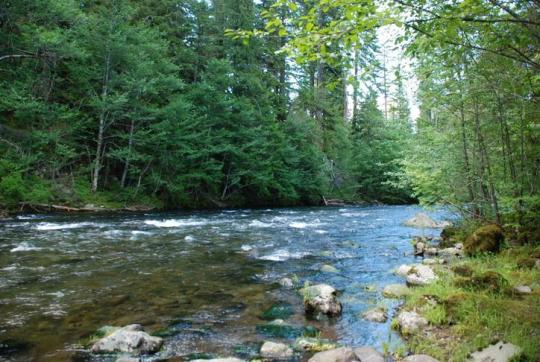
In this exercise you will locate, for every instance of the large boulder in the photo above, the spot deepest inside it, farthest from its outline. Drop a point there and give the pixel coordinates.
(410, 322)
(396, 291)
(271, 350)
(130, 339)
(488, 238)
(321, 298)
(421, 275)
(368, 354)
(499, 352)
(342, 354)
(421, 220)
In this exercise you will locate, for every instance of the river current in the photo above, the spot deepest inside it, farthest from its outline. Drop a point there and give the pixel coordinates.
(202, 280)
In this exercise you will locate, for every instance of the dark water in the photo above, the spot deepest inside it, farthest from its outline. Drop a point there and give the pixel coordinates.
(202, 279)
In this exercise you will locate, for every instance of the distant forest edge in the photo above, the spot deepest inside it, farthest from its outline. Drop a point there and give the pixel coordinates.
(217, 103)
(148, 102)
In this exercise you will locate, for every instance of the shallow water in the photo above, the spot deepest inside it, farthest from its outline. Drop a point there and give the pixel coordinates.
(201, 279)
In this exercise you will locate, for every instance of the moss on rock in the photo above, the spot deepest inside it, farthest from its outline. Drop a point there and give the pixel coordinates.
(488, 238)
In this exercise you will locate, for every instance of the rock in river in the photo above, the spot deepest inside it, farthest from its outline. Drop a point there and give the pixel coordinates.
(129, 339)
(368, 354)
(410, 322)
(421, 275)
(342, 354)
(321, 298)
(271, 350)
(499, 352)
(421, 220)
(377, 315)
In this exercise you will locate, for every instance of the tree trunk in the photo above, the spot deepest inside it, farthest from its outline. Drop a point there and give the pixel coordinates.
(126, 164)
(102, 121)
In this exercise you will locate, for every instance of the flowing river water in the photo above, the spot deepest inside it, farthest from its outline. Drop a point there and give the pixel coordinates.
(202, 280)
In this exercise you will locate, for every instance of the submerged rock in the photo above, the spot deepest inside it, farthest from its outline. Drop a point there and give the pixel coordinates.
(499, 352)
(488, 238)
(273, 350)
(278, 311)
(321, 298)
(279, 329)
(368, 354)
(420, 358)
(326, 268)
(396, 291)
(421, 220)
(410, 322)
(377, 315)
(129, 339)
(342, 354)
(421, 275)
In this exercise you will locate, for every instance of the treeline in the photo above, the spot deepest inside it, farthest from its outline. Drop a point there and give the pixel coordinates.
(478, 140)
(149, 102)
(476, 143)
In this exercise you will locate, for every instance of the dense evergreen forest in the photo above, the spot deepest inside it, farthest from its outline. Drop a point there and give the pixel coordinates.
(231, 103)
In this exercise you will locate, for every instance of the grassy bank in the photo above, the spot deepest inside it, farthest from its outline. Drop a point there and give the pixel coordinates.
(474, 304)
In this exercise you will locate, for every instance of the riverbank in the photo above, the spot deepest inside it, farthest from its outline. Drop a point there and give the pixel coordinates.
(478, 301)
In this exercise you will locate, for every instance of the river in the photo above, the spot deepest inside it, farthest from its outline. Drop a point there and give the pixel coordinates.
(200, 279)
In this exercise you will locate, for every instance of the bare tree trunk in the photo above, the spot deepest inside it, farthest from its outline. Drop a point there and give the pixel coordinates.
(102, 121)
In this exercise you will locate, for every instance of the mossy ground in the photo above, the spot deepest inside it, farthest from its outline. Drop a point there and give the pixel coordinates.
(465, 318)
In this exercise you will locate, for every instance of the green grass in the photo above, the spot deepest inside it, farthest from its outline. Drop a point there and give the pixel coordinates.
(464, 319)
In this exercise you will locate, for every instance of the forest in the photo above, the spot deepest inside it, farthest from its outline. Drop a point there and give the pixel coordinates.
(224, 103)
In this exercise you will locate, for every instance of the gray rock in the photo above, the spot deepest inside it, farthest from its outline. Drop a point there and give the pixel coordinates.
(429, 261)
(499, 352)
(459, 246)
(286, 283)
(343, 354)
(420, 358)
(523, 289)
(421, 220)
(431, 251)
(419, 248)
(377, 315)
(449, 252)
(410, 322)
(368, 354)
(321, 298)
(537, 263)
(421, 275)
(129, 339)
(396, 291)
(273, 350)
(403, 270)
